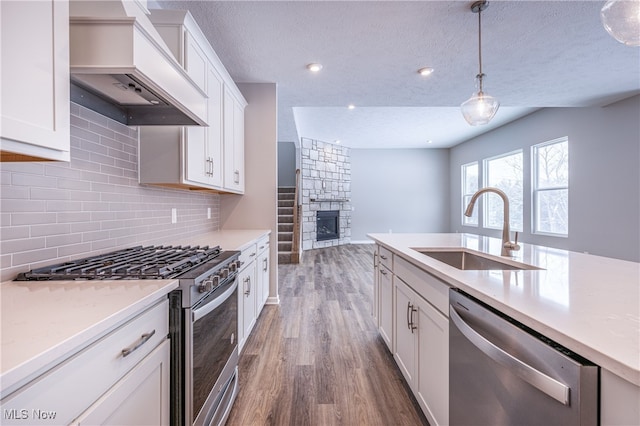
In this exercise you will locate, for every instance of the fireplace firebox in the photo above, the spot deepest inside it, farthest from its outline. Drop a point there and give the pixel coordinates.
(327, 225)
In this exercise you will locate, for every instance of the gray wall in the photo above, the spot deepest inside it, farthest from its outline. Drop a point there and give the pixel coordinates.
(403, 190)
(286, 164)
(604, 176)
(55, 211)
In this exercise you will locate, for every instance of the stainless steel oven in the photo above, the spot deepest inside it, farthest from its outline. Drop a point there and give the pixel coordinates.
(211, 355)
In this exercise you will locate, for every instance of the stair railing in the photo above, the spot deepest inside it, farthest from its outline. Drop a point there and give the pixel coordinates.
(295, 244)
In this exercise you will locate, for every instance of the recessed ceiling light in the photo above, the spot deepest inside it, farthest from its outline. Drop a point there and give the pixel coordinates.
(429, 141)
(314, 67)
(351, 106)
(426, 71)
(337, 141)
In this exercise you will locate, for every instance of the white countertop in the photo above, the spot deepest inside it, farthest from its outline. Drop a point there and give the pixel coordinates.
(590, 304)
(43, 322)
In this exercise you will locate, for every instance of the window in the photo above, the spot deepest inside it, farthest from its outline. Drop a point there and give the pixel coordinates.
(550, 187)
(469, 187)
(504, 172)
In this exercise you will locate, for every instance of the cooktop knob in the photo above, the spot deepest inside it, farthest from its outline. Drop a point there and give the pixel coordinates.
(206, 285)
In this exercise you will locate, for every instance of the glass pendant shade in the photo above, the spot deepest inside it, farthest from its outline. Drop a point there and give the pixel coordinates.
(621, 19)
(480, 108)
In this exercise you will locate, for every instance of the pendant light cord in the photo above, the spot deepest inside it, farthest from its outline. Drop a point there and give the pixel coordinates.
(480, 75)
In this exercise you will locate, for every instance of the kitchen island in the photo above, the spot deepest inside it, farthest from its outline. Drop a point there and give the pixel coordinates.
(589, 304)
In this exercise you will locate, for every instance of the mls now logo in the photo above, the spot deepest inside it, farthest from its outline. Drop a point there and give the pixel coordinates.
(24, 414)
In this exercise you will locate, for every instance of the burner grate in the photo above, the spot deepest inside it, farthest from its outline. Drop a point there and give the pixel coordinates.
(141, 262)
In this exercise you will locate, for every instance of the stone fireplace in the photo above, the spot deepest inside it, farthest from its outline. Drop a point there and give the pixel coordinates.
(326, 187)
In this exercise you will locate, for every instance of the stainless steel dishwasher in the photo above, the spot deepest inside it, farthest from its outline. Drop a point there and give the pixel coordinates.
(502, 373)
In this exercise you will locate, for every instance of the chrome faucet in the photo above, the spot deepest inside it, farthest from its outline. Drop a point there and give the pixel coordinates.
(507, 245)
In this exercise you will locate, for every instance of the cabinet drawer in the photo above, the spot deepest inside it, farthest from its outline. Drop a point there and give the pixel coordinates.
(426, 285)
(263, 244)
(386, 257)
(69, 388)
(248, 255)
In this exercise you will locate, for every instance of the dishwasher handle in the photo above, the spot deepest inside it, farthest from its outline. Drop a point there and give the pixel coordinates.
(539, 380)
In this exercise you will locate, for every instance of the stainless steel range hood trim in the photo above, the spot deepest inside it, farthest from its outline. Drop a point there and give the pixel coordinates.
(122, 45)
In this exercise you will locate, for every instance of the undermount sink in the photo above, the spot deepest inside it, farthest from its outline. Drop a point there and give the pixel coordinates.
(466, 260)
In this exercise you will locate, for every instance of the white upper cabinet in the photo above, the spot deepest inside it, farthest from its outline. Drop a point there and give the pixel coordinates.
(233, 142)
(194, 157)
(35, 84)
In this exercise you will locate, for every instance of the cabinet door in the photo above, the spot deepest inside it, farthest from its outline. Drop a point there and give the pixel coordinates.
(246, 303)
(195, 61)
(433, 362)
(405, 331)
(215, 87)
(263, 279)
(385, 281)
(233, 143)
(195, 152)
(375, 300)
(141, 397)
(35, 79)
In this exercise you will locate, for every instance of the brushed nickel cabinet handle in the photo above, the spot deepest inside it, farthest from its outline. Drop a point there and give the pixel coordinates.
(143, 339)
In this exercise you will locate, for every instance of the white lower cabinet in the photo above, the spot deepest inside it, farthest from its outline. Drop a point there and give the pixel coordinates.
(263, 270)
(246, 302)
(140, 398)
(385, 283)
(122, 378)
(253, 285)
(422, 351)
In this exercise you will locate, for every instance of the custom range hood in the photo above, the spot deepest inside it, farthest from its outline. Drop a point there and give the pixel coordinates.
(121, 67)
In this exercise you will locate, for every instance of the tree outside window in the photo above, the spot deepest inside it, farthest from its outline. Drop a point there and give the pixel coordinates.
(551, 187)
(505, 173)
(469, 187)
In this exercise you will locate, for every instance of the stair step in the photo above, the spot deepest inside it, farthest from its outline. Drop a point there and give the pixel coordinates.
(286, 196)
(285, 236)
(284, 246)
(286, 189)
(286, 203)
(285, 218)
(285, 211)
(285, 227)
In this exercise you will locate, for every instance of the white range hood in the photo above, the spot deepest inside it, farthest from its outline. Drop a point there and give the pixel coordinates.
(121, 67)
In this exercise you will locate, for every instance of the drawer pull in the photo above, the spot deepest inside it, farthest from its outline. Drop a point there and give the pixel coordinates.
(143, 339)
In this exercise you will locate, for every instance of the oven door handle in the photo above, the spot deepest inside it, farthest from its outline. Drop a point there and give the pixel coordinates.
(206, 309)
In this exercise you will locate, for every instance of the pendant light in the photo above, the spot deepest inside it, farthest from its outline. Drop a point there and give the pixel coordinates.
(480, 108)
(621, 19)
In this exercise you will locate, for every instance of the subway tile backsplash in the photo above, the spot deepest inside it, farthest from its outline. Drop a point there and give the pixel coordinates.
(55, 211)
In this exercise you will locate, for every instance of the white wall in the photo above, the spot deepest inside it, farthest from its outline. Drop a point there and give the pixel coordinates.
(604, 176)
(403, 190)
(257, 208)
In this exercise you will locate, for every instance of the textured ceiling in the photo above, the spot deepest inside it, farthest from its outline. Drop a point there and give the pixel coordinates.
(535, 54)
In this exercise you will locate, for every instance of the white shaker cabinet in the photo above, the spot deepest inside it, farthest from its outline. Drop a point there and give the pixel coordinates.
(118, 378)
(193, 157)
(35, 85)
(140, 398)
(422, 351)
(246, 293)
(262, 273)
(233, 142)
(385, 296)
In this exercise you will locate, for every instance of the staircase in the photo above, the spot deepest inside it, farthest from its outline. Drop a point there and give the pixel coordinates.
(286, 204)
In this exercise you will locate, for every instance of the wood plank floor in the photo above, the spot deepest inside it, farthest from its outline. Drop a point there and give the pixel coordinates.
(317, 359)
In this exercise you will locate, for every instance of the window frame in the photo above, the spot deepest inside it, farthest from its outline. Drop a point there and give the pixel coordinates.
(465, 195)
(535, 190)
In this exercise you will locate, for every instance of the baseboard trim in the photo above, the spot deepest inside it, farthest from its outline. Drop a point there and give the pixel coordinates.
(362, 242)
